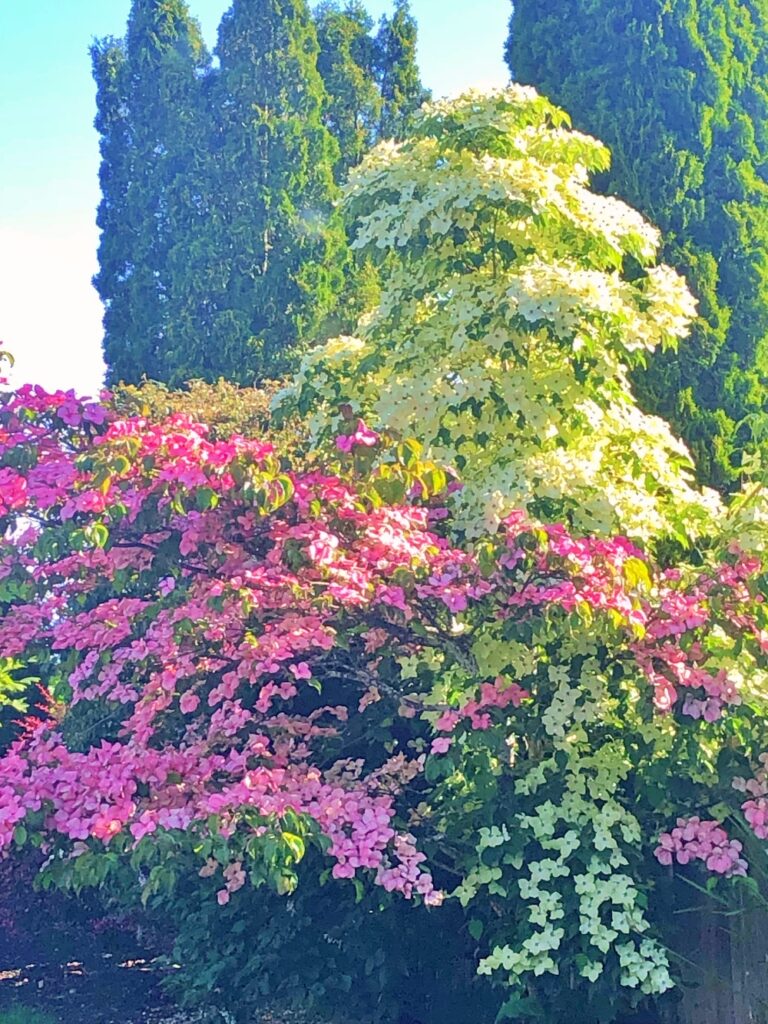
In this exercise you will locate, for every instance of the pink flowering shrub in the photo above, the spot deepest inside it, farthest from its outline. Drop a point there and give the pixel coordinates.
(254, 668)
(212, 618)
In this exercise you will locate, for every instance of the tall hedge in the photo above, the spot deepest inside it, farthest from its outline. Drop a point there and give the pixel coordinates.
(679, 92)
(221, 251)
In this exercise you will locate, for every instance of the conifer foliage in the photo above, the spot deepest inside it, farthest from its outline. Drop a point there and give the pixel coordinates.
(347, 63)
(112, 280)
(401, 88)
(147, 95)
(680, 94)
(221, 252)
(281, 249)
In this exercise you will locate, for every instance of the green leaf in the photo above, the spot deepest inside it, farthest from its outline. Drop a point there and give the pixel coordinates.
(295, 844)
(206, 498)
(636, 573)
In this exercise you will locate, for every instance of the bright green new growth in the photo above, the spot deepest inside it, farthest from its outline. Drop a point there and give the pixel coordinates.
(679, 92)
(515, 303)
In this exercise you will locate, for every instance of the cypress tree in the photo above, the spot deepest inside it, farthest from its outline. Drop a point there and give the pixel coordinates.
(277, 248)
(347, 64)
(148, 96)
(194, 347)
(108, 61)
(399, 79)
(679, 91)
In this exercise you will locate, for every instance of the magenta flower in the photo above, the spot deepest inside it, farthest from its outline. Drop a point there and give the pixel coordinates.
(363, 436)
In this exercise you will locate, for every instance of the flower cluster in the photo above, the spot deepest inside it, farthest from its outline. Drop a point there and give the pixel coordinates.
(13, 490)
(694, 839)
(499, 694)
(222, 613)
(755, 809)
(440, 357)
(363, 437)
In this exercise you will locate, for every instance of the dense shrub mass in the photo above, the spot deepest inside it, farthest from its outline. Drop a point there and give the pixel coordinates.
(258, 663)
(224, 407)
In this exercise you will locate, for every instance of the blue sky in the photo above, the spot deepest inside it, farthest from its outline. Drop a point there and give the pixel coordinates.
(50, 317)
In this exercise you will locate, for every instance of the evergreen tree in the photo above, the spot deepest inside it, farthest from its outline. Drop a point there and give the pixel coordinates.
(399, 79)
(679, 91)
(220, 248)
(276, 246)
(115, 244)
(148, 95)
(191, 350)
(347, 64)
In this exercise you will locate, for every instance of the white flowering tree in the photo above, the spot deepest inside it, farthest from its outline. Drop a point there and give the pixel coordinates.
(515, 300)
